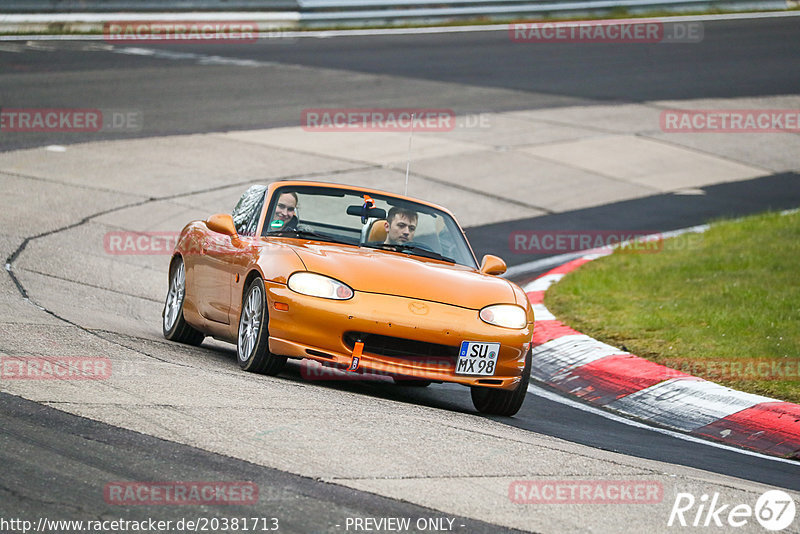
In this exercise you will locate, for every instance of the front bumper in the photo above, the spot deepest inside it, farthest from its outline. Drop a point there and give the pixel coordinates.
(324, 330)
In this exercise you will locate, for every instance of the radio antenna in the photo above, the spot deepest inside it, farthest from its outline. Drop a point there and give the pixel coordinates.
(408, 160)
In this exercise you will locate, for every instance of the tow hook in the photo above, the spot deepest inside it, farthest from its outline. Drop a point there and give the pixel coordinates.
(357, 350)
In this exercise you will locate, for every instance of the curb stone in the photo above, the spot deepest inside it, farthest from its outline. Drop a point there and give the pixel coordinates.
(616, 380)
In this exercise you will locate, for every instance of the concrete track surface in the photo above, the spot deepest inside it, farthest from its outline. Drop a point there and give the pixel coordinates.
(323, 452)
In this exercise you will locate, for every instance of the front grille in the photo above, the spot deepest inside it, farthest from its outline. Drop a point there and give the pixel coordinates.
(398, 347)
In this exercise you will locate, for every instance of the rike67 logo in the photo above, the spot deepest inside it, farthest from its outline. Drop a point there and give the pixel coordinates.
(774, 510)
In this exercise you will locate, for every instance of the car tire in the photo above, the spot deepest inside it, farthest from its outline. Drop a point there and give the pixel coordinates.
(500, 401)
(252, 347)
(173, 325)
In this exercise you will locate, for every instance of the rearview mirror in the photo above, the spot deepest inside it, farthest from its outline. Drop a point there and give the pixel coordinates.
(492, 265)
(364, 212)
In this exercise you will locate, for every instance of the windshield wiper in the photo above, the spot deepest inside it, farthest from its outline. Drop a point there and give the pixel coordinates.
(294, 232)
(410, 247)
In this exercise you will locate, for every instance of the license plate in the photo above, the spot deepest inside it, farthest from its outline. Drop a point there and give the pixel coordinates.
(477, 358)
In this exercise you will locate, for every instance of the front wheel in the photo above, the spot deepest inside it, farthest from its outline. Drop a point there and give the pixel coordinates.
(252, 348)
(174, 326)
(500, 401)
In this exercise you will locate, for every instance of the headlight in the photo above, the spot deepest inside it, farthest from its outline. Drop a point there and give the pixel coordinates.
(316, 285)
(505, 315)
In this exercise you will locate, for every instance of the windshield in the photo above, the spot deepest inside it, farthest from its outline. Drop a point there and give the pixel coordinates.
(375, 221)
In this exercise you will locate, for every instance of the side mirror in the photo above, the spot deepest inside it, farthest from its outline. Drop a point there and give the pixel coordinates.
(223, 224)
(492, 265)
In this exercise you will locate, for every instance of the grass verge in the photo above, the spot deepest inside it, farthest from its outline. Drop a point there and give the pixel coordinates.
(723, 305)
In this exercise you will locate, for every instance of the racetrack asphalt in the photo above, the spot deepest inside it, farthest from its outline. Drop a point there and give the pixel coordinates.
(442, 456)
(189, 88)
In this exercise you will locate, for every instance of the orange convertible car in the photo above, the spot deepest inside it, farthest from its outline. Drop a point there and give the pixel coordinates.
(357, 279)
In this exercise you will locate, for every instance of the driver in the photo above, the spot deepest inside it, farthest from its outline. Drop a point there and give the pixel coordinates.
(400, 226)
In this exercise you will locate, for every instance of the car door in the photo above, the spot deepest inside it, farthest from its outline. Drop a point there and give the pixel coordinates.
(221, 261)
(213, 276)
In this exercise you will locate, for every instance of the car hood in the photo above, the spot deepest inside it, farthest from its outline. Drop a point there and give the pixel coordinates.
(393, 273)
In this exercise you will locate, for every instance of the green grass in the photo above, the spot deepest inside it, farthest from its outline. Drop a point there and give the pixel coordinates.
(730, 295)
